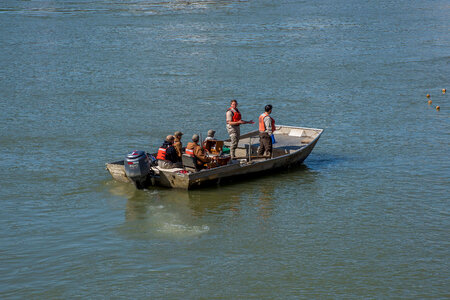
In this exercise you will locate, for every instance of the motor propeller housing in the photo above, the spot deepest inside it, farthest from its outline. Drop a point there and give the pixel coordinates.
(137, 167)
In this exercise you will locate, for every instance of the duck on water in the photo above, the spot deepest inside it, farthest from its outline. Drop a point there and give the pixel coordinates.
(293, 146)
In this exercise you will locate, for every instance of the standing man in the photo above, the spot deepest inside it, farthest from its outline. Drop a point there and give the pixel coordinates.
(266, 129)
(234, 120)
(177, 144)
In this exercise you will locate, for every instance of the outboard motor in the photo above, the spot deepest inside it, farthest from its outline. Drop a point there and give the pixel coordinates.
(137, 168)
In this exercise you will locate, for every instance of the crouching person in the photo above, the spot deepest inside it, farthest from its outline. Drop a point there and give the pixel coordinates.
(193, 149)
(167, 155)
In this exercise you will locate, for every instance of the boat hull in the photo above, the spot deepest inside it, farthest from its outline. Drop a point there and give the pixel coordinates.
(182, 180)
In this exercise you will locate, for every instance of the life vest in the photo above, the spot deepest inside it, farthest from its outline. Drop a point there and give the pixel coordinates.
(190, 152)
(236, 115)
(262, 127)
(161, 153)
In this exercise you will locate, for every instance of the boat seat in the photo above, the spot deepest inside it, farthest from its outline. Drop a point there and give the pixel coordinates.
(189, 162)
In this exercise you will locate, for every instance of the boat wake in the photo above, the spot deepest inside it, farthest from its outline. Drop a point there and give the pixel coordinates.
(184, 230)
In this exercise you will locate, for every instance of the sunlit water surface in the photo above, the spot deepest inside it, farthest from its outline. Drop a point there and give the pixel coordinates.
(85, 82)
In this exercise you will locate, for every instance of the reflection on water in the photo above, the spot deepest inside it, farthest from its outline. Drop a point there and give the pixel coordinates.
(265, 203)
(160, 212)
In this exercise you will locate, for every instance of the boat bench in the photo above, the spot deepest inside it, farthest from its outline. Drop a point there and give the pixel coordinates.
(189, 163)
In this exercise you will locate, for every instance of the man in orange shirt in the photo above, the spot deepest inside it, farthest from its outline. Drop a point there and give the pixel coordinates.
(193, 149)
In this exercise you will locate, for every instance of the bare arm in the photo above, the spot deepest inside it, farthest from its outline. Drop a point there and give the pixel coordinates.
(230, 122)
(240, 122)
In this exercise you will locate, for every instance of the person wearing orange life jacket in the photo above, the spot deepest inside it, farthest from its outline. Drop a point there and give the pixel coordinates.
(167, 155)
(234, 120)
(195, 150)
(266, 129)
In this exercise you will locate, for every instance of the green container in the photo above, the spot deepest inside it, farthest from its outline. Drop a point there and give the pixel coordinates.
(225, 150)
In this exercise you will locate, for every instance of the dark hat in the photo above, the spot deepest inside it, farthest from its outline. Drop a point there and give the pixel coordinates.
(195, 137)
(178, 133)
(211, 132)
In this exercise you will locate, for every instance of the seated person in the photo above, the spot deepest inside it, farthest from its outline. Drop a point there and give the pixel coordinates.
(211, 144)
(210, 135)
(193, 149)
(177, 144)
(167, 155)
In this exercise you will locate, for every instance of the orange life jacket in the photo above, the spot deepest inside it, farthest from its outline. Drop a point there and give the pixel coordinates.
(262, 127)
(161, 153)
(236, 115)
(190, 152)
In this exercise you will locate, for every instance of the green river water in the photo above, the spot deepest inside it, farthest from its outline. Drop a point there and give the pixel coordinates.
(85, 82)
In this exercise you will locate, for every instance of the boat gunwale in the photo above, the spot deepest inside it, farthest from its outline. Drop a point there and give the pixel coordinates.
(259, 162)
(253, 166)
(207, 171)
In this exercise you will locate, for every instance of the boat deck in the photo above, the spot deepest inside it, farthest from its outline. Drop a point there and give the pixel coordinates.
(283, 141)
